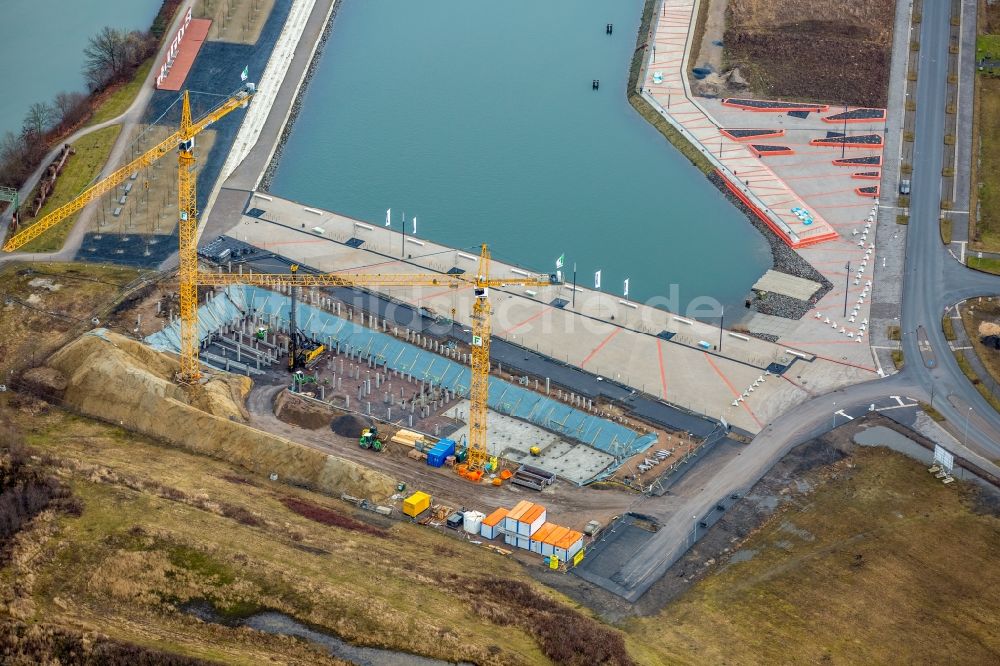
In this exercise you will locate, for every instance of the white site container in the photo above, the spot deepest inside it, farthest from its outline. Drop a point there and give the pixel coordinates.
(472, 521)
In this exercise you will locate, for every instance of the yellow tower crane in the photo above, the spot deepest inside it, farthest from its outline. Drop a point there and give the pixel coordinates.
(190, 278)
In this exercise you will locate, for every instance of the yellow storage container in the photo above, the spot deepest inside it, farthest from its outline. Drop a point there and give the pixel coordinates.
(416, 504)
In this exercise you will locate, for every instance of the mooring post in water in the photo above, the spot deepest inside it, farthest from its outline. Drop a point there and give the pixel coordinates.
(610, 28)
(596, 84)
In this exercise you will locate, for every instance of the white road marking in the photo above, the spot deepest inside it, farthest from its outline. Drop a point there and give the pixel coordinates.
(889, 409)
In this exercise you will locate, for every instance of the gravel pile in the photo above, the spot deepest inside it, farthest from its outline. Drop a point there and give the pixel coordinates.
(349, 425)
(293, 112)
(785, 259)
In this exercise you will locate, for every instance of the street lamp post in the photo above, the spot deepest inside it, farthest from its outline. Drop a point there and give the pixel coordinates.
(834, 424)
(965, 441)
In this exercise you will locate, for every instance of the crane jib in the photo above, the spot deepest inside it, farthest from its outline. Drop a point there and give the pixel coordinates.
(176, 140)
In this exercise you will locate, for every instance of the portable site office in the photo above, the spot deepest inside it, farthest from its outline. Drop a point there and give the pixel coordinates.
(540, 535)
(569, 545)
(492, 524)
(514, 515)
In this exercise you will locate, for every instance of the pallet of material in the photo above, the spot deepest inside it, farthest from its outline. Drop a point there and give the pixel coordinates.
(416, 455)
(406, 438)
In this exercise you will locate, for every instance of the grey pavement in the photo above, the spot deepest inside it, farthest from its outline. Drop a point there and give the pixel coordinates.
(931, 281)
(964, 139)
(229, 198)
(887, 294)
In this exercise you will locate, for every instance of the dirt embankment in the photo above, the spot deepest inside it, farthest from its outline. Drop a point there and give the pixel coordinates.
(116, 379)
(292, 409)
(835, 51)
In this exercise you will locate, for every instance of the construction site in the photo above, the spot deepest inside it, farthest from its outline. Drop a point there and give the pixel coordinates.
(443, 422)
(393, 366)
(391, 362)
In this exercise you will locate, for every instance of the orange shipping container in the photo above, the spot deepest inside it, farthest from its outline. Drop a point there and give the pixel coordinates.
(531, 520)
(540, 535)
(510, 522)
(494, 518)
(490, 529)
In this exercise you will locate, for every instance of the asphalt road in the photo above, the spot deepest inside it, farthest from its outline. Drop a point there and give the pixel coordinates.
(933, 281)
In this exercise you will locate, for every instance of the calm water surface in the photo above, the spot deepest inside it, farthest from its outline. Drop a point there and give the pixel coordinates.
(42, 42)
(479, 118)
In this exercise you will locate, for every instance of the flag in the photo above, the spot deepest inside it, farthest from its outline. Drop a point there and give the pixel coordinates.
(597, 280)
(626, 286)
(414, 226)
(388, 216)
(561, 260)
(245, 74)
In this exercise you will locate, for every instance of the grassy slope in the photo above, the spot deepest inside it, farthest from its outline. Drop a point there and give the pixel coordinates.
(91, 155)
(643, 107)
(921, 591)
(102, 573)
(30, 332)
(989, 168)
(117, 102)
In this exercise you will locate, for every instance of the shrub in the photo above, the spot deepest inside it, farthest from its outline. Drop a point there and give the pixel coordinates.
(328, 517)
(565, 635)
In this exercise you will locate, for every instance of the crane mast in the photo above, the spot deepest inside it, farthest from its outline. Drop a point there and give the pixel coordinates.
(190, 278)
(479, 386)
(187, 236)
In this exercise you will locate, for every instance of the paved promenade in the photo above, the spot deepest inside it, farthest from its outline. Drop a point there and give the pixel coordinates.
(800, 177)
(602, 333)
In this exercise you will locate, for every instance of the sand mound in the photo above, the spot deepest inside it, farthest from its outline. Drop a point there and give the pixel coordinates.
(350, 425)
(989, 328)
(297, 411)
(116, 379)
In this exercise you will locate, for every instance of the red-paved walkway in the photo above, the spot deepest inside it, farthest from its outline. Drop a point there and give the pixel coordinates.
(194, 37)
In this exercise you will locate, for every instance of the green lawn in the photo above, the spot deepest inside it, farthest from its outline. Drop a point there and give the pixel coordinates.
(91, 155)
(986, 264)
(989, 166)
(988, 44)
(121, 99)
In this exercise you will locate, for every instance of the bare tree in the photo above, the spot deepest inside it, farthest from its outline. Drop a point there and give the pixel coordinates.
(105, 56)
(40, 118)
(72, 106)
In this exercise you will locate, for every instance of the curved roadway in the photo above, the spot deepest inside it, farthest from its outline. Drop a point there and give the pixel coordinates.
(933, 281)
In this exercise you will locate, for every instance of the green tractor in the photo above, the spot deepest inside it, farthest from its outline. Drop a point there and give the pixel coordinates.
(300, 379)
(369, 440)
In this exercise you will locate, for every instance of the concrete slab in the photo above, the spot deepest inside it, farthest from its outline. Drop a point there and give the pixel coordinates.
(512, 438)
(789, 285)
(758, 322)
(674, 358)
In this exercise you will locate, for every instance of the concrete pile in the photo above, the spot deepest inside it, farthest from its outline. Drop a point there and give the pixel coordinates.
(115, 379)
